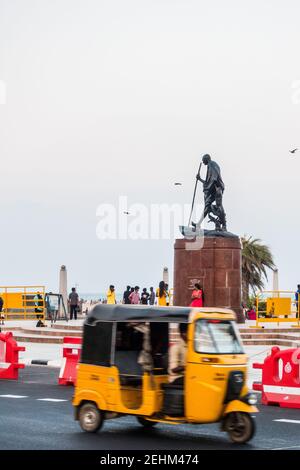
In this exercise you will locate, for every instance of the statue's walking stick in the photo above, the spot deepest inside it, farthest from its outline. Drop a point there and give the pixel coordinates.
(194, 195)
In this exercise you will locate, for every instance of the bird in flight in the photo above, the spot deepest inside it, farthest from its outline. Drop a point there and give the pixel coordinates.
(127, 213)
(293, 151)
(178, 184)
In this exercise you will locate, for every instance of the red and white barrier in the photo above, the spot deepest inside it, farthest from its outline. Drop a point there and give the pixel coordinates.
(9, 357)
(280, 383)
(71, 355)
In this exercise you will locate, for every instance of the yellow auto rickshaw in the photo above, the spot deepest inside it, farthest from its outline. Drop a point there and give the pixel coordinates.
(113, 381)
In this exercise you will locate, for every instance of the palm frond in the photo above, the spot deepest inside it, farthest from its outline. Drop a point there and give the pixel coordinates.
(256, 259)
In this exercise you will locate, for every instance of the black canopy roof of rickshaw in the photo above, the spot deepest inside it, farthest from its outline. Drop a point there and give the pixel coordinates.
(142, 313)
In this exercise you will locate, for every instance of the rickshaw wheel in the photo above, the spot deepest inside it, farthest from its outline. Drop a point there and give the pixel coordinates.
(240, 427)
(144, 422)
(90, 417)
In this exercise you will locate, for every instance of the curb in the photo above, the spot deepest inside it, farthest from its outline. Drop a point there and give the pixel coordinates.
(42, 362)
(39, 362)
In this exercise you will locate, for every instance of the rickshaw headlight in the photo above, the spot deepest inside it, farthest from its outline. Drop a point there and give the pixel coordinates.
(250, 398)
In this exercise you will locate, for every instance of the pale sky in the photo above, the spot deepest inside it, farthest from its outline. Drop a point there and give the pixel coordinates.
(114, 97)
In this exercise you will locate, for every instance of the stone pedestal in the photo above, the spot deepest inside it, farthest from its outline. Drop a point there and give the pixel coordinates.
(216, 266)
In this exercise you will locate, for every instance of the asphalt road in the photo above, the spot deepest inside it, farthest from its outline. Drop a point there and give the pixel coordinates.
(37, 414)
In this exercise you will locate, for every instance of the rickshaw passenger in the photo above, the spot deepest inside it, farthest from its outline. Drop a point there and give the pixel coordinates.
(145, 357)
(178, 357)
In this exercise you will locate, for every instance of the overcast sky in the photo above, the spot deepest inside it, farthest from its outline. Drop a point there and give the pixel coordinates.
(114, 97)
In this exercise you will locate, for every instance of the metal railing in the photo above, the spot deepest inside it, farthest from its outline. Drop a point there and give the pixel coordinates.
(277, 306)
(23, 302)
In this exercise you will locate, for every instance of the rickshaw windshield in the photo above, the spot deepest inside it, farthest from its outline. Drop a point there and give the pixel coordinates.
(216, 337)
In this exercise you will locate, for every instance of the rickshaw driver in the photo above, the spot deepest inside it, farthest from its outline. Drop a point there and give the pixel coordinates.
(178, 357)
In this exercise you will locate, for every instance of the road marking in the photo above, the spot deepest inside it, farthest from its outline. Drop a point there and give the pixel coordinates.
(51, 399)
(13, 396)
(285, 448)
(296, 421)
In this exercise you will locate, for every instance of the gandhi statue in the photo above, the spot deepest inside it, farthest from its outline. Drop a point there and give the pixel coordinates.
(213, 188)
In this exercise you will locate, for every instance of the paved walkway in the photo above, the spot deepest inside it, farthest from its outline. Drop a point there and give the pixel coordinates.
(280, 326)
(31, 323)
(40, 351)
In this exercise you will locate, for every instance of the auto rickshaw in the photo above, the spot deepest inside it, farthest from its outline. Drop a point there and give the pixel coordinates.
(111, 382)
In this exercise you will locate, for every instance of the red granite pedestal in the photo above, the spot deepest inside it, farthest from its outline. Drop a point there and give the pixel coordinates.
(216, 266)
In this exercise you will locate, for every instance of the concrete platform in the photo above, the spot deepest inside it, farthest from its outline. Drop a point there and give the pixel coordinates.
(26, 331)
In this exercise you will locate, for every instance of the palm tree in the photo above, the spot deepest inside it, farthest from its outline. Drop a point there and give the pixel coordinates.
(256, 258)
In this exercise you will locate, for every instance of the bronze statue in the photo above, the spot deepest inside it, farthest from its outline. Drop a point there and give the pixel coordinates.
(213, 188)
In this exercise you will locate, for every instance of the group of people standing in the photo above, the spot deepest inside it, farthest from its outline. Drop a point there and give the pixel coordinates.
(134, 296)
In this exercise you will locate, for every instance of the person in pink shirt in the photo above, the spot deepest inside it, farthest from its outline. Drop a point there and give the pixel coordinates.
(135, 296)
(197, 296)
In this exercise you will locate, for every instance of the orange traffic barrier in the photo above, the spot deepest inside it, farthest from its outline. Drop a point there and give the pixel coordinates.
(9, 357)
(280, 383)
(71, 355)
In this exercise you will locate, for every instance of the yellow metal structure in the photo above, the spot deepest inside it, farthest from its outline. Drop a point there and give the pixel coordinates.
(19, 302)
(276, 307)
(205, 384)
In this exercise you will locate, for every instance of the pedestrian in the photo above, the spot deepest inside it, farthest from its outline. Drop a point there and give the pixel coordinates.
(151, 296)
(73, 303)
(39, 303)
(50, 307)
(1, 314)
(111, 295)
(135, 296)
(245, 310)
(161, 294)
(251, 313)
(197, 296)
(145, 297)
(297, 300)
(167, 292)
(126, 295)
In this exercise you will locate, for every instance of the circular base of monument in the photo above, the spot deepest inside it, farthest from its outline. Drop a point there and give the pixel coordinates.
(219, 234)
